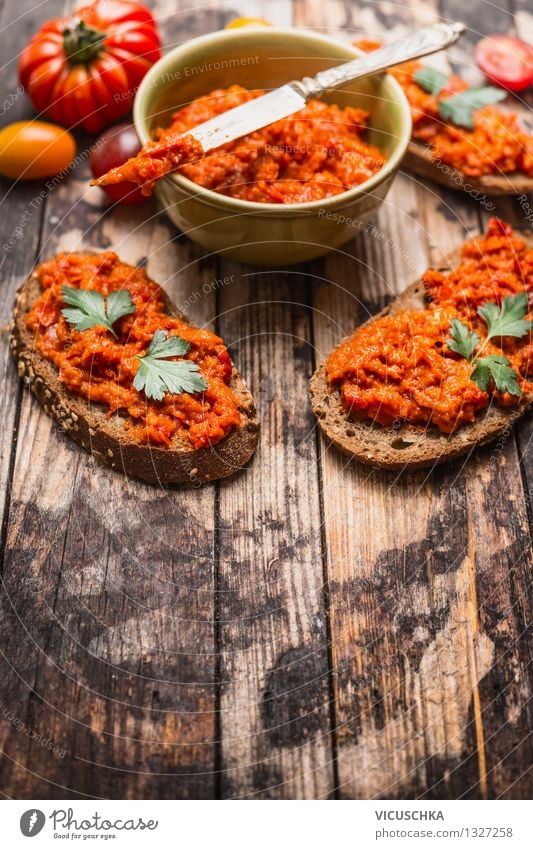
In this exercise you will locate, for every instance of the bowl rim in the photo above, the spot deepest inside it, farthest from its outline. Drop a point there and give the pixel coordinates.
(217, 199)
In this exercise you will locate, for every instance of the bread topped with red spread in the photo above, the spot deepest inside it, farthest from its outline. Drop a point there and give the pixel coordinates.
(435, 373)
(127, 376)
(490, 153)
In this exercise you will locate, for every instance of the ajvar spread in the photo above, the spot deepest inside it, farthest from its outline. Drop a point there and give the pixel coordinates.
(399, 368)
(100, 368)
(154, 161)
(496, 144)
(315, 153)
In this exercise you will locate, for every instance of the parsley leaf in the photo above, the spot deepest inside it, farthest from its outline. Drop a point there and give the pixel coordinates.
(90, 307)
(157, 375)
(463, 341)
(499, 368)
(119, 303)
(460, 108)
(430, 79)
(507, 320)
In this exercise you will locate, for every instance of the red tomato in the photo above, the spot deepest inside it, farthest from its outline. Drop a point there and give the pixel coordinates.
(84, 70)
(506, 61)
(113, 148)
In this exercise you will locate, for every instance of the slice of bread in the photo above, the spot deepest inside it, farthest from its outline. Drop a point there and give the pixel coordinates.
(106, 436)
(420, 160)
(408, 447)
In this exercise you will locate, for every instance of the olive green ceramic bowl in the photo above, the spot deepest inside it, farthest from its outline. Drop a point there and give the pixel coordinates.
(263, 233)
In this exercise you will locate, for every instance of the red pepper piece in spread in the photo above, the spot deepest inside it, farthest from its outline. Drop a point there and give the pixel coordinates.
(399, 369)
(100, 368)
(316, 153)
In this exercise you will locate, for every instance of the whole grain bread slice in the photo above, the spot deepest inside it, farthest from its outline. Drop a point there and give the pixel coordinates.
(419, 159)
(107, 438)
(408, 447)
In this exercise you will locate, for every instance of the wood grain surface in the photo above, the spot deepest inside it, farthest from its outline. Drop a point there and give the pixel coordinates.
(309, 628)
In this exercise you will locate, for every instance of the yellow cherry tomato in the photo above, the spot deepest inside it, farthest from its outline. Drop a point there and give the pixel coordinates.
(31, 150)
(247, 22)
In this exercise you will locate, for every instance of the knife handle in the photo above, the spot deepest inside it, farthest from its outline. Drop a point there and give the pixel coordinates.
(420, 43)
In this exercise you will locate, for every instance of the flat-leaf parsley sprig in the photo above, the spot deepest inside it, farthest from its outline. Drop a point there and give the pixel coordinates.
(90, 308)
(157, 375)
(505, 320)
(458, 108)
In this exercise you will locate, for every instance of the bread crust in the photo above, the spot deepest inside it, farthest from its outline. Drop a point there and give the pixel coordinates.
(408, 447)
(106, 438)
(419, 159)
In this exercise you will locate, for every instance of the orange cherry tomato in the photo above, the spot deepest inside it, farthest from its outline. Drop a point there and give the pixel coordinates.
(31, 150)
(247, 22)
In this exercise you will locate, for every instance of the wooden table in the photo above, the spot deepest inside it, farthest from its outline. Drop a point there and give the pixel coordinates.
(308, 628)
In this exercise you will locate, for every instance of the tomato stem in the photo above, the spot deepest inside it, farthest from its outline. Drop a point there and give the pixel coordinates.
(82, 44)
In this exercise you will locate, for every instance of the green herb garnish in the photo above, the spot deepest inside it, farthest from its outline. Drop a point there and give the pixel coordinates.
(459, 108)
(430, 79)
(463, 341)
(499, 368)
(91, 310)
(157, 375)
(506, 320)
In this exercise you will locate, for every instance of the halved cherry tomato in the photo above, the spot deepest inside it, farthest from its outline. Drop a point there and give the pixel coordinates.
(506, 61)
(31, 150)
(113, 148)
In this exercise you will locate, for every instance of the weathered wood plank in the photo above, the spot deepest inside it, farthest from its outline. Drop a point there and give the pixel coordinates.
(108, 601)
(485, 20)
(275, 713)
(274, 703)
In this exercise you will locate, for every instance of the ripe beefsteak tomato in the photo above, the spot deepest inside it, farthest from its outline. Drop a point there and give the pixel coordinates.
(83, 71)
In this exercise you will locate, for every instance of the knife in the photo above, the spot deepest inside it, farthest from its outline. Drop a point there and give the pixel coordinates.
(293, 96)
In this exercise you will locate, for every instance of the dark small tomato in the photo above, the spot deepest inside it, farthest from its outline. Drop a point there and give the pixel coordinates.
(506, 61)
(114, 147)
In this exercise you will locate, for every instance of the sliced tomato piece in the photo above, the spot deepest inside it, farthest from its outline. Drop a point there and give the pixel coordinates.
(506, 61)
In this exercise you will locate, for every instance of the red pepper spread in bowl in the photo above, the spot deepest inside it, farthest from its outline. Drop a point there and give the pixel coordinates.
(399, 368)
(314, 154)
(101, 368)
